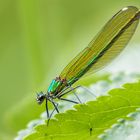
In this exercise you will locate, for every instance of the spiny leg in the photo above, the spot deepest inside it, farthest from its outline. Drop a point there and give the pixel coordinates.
(48, 116)
(54, 109)
(55, 106)
(72, 89)
(62, 93)
(59, 95)
(68, 100)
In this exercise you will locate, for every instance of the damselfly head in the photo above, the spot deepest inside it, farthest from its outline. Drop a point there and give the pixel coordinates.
(40, 97)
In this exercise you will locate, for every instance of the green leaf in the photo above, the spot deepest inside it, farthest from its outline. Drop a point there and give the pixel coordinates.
(88, 121)
(28, 104)
(125, 129)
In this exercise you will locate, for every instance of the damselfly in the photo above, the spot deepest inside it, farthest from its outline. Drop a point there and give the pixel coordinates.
(108, 43)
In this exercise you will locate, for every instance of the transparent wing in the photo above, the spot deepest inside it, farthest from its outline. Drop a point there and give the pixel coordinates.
(108, 43)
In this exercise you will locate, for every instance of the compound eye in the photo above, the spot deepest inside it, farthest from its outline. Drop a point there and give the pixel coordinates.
(40, 97)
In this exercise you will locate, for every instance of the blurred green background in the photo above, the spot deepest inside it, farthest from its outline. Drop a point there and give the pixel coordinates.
(37, 39)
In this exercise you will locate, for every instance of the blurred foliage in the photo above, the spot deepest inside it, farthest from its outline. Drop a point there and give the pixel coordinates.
(36, 38)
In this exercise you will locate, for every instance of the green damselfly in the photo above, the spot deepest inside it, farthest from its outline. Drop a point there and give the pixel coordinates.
(108, 43)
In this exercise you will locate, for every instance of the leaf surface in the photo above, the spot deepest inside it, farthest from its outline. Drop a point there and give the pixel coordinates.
(88, 121)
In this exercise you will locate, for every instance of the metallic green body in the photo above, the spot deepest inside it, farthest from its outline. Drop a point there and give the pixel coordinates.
(110, 41)
(56, 86)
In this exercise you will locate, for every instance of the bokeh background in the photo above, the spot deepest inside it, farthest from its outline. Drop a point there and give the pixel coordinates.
(37, 40)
